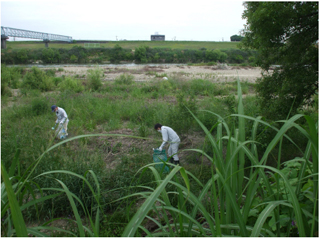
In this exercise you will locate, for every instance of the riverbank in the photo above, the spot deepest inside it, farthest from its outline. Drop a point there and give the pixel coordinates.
(217, 73)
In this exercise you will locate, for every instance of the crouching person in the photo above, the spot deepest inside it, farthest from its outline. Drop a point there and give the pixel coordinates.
(170, 136)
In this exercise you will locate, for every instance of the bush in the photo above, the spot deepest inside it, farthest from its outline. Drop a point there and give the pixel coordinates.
(37, 79)
(124, 79)
(94, 77)
(39, 106)
(47, 84)
(140, 54)
(57, 80)
(71, 84)
(51, 72)
(10, 76)
(201, 87)
(179, 116)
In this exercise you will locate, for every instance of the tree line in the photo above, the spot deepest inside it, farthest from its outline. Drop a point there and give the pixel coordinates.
(141, 54)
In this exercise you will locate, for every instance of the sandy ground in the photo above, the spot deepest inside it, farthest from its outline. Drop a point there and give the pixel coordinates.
(220, 73)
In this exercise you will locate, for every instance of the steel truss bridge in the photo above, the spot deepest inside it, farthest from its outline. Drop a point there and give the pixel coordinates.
(46, 37)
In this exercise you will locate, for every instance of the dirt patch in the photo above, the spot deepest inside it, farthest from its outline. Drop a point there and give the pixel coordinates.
(116, 147)
(217, 73)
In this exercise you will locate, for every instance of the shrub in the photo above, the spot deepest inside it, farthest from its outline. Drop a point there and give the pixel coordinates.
(201, 87)
(37, 79)
(39, 106)
(47, 84)
(140, 54)
(71, 84)
(124, 79)
(179, 115)
(57, 80)
(94, 77)
(10, 76)
(51, 72)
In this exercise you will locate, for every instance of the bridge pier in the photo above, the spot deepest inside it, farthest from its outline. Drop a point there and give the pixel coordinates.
(46, 43)
(4, 41)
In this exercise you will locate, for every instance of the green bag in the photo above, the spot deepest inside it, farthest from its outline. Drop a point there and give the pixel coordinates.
(159, 156)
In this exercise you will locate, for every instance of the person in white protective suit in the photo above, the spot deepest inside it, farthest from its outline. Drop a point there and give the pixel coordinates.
(170, 136)
(62, 117)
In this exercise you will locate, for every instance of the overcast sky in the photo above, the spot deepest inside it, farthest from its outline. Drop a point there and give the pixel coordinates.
(197, 20)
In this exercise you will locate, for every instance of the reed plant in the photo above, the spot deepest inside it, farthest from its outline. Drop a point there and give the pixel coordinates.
(236, 194)
(232, 198)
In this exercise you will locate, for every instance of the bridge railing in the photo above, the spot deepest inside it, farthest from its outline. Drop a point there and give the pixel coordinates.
(8, 31)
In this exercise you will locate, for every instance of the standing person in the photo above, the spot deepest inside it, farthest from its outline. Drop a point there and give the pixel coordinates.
(170, 136)
(62, 117)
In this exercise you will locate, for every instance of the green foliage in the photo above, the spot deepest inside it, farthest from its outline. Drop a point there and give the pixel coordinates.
(216, 55)
(113, 195)
(293, 83)
(21, 56)
(117, 54)
(73, 59)
(179, 117)
(95, 79)
(71, 84)
(37, 79)
(10, 76)
(125, 79)
(39, 106)
(272, 205)
(50, 56)
(236, 38)
(140, 54)
(180, 52)
(201, 87)
(51, 72)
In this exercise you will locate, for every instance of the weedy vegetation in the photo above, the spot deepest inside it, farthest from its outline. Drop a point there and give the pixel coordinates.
(241, 174)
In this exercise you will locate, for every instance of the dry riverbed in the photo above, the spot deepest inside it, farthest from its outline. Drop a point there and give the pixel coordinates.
(219, 73)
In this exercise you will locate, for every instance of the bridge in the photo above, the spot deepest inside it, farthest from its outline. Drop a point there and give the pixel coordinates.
(46, 37)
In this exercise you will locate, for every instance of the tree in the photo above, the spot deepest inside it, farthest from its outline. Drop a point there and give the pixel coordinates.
(22, 56)
(236, 38)
(117, 54)
(286, 34)
(48, 55)
(140, 54)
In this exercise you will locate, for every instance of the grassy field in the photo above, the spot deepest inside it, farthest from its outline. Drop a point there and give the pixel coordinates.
(130, 44)
(101, 181)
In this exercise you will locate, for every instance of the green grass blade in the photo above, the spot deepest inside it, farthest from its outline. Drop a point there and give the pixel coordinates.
(263, 216)
(36, 231)
(242, 135)
(132, 226)
(294, 200)
(74, 208)
(17, 217)
(186, 215)
(204, 191)
(220, 161)
(15, 162)
(235, 206)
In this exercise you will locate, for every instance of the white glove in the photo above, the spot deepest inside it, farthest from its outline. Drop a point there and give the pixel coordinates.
(160, 148)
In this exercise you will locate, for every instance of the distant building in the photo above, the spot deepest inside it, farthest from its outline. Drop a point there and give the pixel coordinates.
(157, 37)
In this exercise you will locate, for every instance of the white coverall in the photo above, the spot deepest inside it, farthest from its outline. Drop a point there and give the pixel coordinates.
(170, 136)
(62, 118)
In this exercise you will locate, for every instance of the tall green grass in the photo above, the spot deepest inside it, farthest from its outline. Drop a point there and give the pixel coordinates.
(234, 198)
(238, 193)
